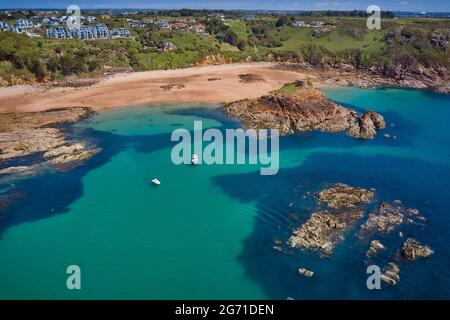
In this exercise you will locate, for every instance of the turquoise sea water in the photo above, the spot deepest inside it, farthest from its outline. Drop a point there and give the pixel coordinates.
(208, 231)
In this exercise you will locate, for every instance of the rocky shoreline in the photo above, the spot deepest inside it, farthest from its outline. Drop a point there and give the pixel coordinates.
(297, 107)
(345, 75)
(40, 135)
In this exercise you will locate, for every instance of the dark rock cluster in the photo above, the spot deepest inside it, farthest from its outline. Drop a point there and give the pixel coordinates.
(325, 229)
(340, 208)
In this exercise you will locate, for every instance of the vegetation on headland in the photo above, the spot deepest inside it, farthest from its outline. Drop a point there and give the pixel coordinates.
(402, 45)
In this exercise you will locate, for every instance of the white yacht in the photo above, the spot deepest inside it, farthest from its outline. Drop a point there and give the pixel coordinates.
(194, 159)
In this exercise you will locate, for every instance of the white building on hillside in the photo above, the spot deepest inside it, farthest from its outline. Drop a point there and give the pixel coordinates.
(101, 31)
(162, 24)
(24, 23)
(299, 24)
(58, 33)
(84, 33)
(120, 33)
(4, 26)
(316, 24)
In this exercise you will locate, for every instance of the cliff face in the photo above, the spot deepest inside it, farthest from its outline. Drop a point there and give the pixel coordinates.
(212, 59)
(304, 109)
(433, 77)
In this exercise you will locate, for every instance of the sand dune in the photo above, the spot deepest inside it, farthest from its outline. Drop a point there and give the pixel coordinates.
(210, 84)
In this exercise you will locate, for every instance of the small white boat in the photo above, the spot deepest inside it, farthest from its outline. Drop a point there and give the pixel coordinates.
(194, 159)
(156, 182)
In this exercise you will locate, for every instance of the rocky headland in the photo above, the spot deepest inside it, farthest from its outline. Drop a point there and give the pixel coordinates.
(41, 137)
(297, 107)
(435, 78)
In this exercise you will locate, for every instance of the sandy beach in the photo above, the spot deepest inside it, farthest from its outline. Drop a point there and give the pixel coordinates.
(210, 84)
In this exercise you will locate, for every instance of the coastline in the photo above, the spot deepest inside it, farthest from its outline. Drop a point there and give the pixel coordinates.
(198, 85)
(214, 84)
(348, 76)
(308, 260)
(33, 108)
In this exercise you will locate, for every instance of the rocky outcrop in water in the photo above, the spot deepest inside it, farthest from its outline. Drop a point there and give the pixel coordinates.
(391, 273)
(375, 247)
(40, 133)
(345, 196)
(305, 272)
(413, 249)
(339, 209)
(304, 109)
(325, 229)
(366, 126)
(387, 217)
(383, 219)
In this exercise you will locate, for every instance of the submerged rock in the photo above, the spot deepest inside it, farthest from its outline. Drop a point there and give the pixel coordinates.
(415, 217)
(303, 109)
(413, 249)
(7, 198)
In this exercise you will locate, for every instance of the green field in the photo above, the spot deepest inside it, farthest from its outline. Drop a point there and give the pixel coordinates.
(240, 28)
(295, 39)
(188, 41)
(172, 60)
